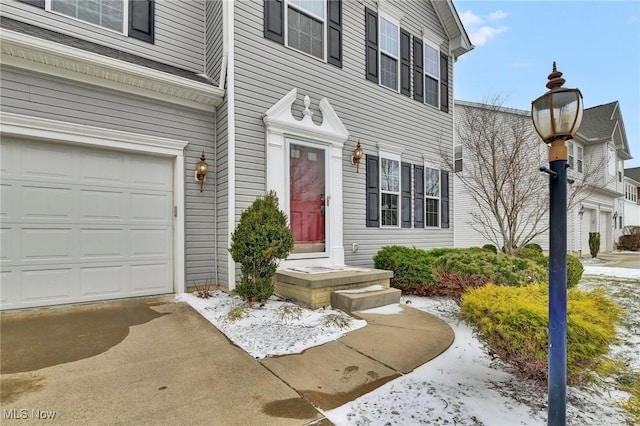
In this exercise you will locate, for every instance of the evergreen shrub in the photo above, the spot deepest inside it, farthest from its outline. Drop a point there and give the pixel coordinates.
(513, 323)
(491, 248)
(260, 239)
(594, 243)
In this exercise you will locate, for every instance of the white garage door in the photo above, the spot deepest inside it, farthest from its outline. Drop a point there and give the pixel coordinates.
(82, 224)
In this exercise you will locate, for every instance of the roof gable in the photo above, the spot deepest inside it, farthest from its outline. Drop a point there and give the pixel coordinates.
(603, 123)
(459, 42)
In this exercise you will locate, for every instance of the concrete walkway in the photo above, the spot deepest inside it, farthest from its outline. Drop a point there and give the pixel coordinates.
(153, 361)
(620, 260)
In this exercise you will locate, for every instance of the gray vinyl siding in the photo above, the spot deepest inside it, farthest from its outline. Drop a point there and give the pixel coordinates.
(214, 40)
(36, 95)
(179, 31)
(266, 71)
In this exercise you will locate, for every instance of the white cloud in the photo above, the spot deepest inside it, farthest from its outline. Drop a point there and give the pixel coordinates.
(632, 20)
(479, 33)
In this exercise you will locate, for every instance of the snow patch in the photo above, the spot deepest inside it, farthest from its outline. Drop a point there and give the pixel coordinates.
(612, 272)
(375, 287)
(391, 309)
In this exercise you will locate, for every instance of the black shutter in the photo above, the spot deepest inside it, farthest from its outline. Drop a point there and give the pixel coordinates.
(406, 195)
(405, 63)
(373, 192)
(334, 35)
(371, 45)
(141, 20)
(444, 199)
(274, 20)
(444, 82)
(418, 71)
(36, 3)
(418, 214)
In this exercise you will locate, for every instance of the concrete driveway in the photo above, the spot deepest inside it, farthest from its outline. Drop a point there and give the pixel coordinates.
(136, 361)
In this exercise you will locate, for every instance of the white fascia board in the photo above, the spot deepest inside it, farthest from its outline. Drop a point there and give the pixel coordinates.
(36, 54)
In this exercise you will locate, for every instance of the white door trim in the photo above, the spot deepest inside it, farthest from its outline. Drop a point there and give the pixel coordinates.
(332, 134)
(35, 128)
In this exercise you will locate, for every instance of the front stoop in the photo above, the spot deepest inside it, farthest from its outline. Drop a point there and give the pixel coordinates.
(314, 290)
(351, 302)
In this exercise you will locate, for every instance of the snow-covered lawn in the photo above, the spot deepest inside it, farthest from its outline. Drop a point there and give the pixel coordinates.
(463, 386)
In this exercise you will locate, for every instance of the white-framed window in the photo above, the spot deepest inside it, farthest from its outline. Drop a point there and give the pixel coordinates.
(110, 14)
(389, 31)
(457, 158)
(612, 161)
(431, 74)
(579, 157)
(390, 192)
(306, 26)
(432, 197)
(572, 156)
(620, 169)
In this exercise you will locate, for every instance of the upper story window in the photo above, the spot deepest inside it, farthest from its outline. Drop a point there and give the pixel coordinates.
(457, 158)
(431, 75)
(310, 26)
(620, 169)
(306, 26)
(133, 18)
(389, 51)
(572, 155)
(580, 157)
(105, 13)
(612, 161)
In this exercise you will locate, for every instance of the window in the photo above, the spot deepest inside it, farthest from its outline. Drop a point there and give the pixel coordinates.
(110, 14)
(431, 75)
(457, 158)
(432, 197)
(620, 222)
(389, 192)
(571, 149)
(389, 51)
(312, 26)
(620, 169)
(612, 162)
(305, 26)
(580, 155)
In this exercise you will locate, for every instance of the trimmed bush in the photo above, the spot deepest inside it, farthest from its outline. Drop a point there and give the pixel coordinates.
(574, 271)
(496, 268)
(529, 253)
(513, 323)
(491, 248)
(594, 243)
(411, 266)
(261, 238)
(535, 247)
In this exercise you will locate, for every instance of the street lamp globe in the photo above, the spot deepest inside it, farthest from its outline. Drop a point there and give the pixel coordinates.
(558, 113)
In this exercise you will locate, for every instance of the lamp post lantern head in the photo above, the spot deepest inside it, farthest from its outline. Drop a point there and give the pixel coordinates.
(558, 113)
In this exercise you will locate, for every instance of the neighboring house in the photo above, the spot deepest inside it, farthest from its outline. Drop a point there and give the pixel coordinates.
(631, 206)
(107, 107)
(596, 156)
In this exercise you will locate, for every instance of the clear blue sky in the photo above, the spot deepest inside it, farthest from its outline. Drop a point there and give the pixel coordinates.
(596, 44)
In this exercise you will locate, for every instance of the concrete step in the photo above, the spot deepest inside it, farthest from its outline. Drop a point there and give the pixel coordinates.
(350, 301)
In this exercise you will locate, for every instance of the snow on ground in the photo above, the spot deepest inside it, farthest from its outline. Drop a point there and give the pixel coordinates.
(463, 386)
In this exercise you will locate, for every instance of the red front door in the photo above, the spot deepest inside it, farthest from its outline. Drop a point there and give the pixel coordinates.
(307, 198)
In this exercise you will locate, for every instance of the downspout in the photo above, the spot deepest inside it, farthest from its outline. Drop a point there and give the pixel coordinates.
(228, 78)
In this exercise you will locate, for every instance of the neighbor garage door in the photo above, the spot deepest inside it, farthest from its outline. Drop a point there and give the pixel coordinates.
(83, 224)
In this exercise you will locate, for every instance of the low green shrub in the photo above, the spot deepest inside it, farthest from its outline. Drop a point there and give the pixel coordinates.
(574, 271)
(534, 246)
(529, 253)
(490, 247)
(497, 268)
(411, 266)
(513, 323)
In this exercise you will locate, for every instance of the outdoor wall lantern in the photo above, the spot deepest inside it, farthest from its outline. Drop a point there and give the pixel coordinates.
(556, 117)
(357, 156)
(581, 211)
(201, 171)
(615, 216)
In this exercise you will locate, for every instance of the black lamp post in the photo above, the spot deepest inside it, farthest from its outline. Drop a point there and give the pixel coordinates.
(556, 116)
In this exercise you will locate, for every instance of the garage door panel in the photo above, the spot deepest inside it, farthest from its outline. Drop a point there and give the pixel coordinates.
(100, 244)
(8, 249)
(147, 207)
(150, 277)
(150, 174)
(9, 286)
(151, 242)
(41, 244)
(8, 202)
(102, 205)
(47, 284)
(47, 203)
(104, 281)
(47, 161)
(103, 168)
(7, 161)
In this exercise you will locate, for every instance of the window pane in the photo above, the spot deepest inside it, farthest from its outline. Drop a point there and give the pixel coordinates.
(390, 175)
(106, 13)
(388, 72)
(389, 210)
(431, 91)
(389, 37)
(305, 34)
(432, 186)
(313, 6)
(431, 61)
(431, 208)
